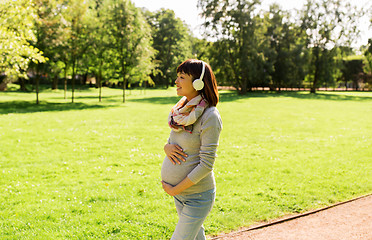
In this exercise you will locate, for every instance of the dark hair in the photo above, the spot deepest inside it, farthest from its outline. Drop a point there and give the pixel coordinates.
(194, 67)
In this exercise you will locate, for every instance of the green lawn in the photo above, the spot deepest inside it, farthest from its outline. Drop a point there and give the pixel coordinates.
(92, 170)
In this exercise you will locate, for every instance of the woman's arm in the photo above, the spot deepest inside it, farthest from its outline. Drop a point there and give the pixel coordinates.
(211, 127)
(180, 187)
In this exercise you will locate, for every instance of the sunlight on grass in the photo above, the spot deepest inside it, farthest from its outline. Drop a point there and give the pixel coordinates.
(92, 170)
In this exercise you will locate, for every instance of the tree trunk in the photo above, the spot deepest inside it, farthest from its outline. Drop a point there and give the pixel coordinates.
(37, 86)
(3, 86)
(356, 85)
(22, 84)
(55, 82)
(100, 81)
(243, 86)
(124, 79)
(124, 87)
(73, 82)
(316, 74)
(66, 82)
(85, 79)
(100, 88)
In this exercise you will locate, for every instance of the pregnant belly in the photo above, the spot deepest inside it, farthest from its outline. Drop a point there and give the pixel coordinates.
(175, 173)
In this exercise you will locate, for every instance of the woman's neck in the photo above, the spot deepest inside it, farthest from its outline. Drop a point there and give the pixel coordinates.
(189, 97)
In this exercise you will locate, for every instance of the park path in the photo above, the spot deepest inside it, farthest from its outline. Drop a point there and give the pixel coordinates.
(344, 221)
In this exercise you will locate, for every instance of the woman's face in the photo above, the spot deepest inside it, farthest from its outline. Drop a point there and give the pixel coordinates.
(184, 86)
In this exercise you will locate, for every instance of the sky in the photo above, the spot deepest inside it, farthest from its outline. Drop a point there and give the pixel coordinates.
(187, 11)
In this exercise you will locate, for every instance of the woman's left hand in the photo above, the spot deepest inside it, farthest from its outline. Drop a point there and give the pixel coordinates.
(180, 187)
(168, 188)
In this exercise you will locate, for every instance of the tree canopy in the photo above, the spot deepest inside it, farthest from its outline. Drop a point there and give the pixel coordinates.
(16, 37)
(113, 43)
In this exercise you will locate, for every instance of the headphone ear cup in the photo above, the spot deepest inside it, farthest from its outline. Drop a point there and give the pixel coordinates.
(198, 84)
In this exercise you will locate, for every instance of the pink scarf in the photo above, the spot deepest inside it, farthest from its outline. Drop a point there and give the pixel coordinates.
(182, 116)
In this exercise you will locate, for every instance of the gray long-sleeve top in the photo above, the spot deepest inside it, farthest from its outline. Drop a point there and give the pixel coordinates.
(200, 146)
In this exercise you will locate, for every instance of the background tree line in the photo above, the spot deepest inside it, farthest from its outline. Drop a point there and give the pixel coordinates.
(113, 43)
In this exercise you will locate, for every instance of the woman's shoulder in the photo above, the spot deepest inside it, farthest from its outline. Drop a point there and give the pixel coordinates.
(211, 114)
(211, 111)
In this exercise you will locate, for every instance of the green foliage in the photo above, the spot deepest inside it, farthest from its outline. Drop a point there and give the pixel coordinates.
(114, 42)
(235, 24)
(16, 32)
(368, 64)
(92, 171)
(352, 70)
(129, 37)
(368, 55)
(254, 49)
(172, 41)
(326, 25)
(284, 53)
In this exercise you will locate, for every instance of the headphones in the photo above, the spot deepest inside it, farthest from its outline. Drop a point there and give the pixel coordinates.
(198, 84)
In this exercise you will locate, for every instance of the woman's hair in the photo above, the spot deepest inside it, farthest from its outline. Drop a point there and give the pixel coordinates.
(194, 67)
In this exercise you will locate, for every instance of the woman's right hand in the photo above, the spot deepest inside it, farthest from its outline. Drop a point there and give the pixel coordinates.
(175, 153)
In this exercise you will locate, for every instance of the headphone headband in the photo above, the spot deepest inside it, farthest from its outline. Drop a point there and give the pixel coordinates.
(198, 84)
(203, 70)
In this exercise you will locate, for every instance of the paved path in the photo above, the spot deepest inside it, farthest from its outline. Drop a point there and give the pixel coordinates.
(351, 220)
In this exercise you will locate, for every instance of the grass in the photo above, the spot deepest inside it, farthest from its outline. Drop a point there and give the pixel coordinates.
(92, 170)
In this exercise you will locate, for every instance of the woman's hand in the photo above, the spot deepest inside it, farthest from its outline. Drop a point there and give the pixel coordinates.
(175, 153)
(180, 187)
(168, 188)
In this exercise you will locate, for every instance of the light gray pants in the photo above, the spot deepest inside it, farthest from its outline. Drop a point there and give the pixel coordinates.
(192, 210)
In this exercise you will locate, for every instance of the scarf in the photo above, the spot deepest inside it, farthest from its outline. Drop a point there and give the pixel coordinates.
(182, 116)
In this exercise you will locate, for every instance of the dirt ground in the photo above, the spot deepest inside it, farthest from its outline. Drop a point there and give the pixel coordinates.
(346, 221)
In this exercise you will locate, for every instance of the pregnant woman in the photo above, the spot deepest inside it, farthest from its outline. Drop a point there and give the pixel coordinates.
(187, 170)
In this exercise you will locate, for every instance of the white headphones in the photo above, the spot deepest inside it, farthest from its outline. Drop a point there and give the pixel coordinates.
(198, 84)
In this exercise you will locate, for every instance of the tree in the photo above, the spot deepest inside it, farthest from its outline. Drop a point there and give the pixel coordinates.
(352, 71)
(200, 48)
(172, 41)
(130, 39)
(78, 41)
(48, 38)
(326, 25)
(16, 32)
(368, 63)
(234, 23)
(95, 55)
(280, 41)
